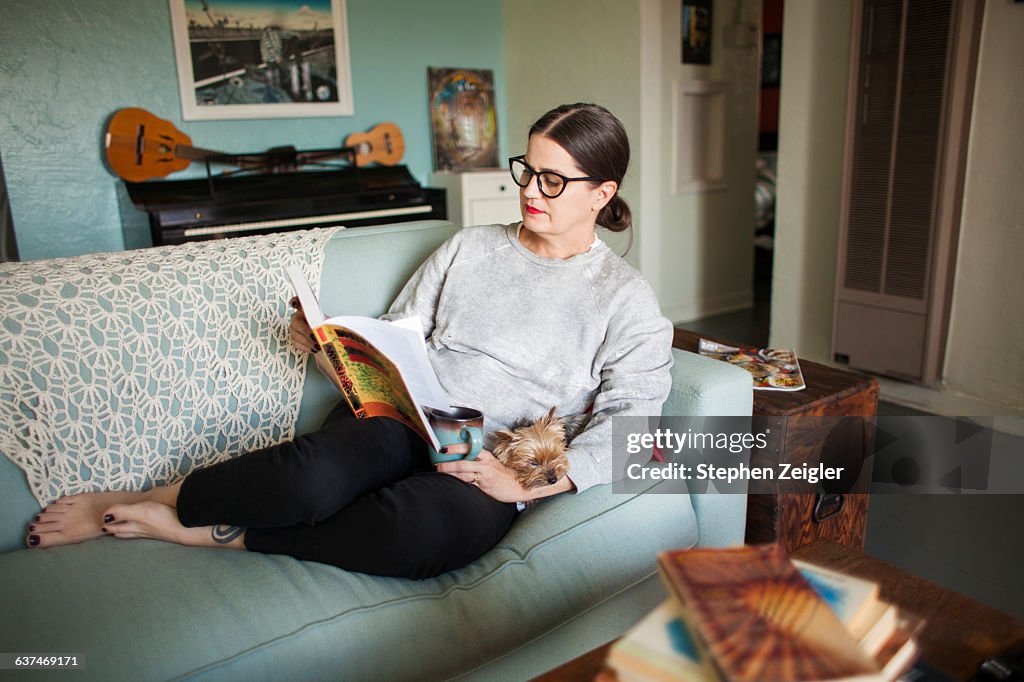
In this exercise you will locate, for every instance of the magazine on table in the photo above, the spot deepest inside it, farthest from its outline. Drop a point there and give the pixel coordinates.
(380, 367)
(773, 369)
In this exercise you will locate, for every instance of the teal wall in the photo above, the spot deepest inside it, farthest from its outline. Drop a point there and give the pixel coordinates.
(65, 66)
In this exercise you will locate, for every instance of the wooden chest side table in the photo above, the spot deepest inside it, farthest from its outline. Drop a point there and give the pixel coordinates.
(797, 519)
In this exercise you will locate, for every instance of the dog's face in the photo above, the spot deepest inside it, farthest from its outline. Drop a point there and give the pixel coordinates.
(535, 452)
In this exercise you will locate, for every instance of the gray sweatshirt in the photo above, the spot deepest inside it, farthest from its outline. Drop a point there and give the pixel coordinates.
(512, 334)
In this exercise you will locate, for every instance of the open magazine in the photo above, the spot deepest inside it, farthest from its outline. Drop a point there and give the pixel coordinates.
(772, 369)
(380, 367)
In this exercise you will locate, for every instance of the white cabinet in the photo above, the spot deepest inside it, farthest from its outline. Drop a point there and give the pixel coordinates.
(480, 197)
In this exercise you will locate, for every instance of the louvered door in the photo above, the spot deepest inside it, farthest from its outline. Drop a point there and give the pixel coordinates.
(911, 76)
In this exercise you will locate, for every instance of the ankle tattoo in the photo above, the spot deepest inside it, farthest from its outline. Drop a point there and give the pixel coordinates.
(222, 535)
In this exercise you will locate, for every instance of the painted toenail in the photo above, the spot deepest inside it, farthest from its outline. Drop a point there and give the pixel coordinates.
(31, 527)
(104, 529)
(37, 518)
(33, 540)
(108, 518)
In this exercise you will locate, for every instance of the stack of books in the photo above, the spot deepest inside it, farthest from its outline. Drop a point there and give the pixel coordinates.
(752, 614)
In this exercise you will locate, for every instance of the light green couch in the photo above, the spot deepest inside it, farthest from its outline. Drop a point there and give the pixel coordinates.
(573, 572)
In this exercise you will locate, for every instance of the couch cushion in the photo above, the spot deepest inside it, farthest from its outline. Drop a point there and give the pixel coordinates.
(17, 506)
(144, 609)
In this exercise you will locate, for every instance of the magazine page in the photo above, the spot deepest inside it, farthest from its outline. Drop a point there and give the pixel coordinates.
(315, 318)
(771, 369)
(402, 343)
(376, 386)
(307, 299)
(784, 369)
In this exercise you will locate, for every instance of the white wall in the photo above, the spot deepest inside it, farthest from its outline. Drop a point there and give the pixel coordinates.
(701, 259)
(625, 54)
(812, 116)
(985, 346)
(574, 51)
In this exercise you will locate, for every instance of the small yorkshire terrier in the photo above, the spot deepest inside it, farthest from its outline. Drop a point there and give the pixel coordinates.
(536, 449)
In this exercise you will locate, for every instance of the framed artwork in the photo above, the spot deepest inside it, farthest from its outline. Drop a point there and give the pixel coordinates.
(463, 123)
(696, 32)
(261, 58)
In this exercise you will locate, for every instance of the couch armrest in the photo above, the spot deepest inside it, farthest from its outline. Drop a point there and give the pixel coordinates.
(703, 386)
(707, 387)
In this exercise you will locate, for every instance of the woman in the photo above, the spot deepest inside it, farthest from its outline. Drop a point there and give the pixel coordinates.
(519, 317)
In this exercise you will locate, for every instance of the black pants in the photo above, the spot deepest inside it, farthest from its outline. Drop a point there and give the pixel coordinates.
(360, 494)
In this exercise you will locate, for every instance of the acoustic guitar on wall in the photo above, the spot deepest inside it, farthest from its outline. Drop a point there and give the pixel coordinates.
(141, 146)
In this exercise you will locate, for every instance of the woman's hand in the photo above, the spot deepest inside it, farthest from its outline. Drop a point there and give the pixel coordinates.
(486, 473)
(298, 328)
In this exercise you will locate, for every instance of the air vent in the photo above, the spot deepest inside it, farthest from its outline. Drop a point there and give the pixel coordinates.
(872, 157)
(908, 113)
(911, 218)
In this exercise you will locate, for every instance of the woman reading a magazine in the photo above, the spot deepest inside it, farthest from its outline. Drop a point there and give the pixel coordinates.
(519, 318)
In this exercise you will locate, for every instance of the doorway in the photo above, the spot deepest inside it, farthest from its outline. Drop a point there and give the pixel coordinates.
(766, 165)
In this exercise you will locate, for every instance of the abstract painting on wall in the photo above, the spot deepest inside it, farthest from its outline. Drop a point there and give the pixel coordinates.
(464, 126)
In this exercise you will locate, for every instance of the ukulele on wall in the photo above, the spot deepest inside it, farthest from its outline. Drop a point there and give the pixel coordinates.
(383, 144)
(141, 146)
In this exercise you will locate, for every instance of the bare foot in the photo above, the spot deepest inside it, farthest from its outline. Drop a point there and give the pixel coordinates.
(75, 518)
(145, 520)
(160, 522)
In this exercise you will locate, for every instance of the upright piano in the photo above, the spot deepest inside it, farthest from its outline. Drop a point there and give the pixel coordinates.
(216, 207)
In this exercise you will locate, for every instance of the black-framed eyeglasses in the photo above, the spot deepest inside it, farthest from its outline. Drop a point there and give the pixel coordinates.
(550, 183)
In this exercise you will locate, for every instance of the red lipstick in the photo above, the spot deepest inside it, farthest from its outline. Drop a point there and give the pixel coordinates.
(533, 211)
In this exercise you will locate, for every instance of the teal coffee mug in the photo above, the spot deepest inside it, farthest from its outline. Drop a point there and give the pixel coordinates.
(456, 425)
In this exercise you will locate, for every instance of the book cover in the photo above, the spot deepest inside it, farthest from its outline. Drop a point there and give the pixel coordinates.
(381, 368)
(759, 618)
(772, 369)
(660, 647)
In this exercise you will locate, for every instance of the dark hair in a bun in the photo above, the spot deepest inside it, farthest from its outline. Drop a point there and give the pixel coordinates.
(616, 215)
(598, 142)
